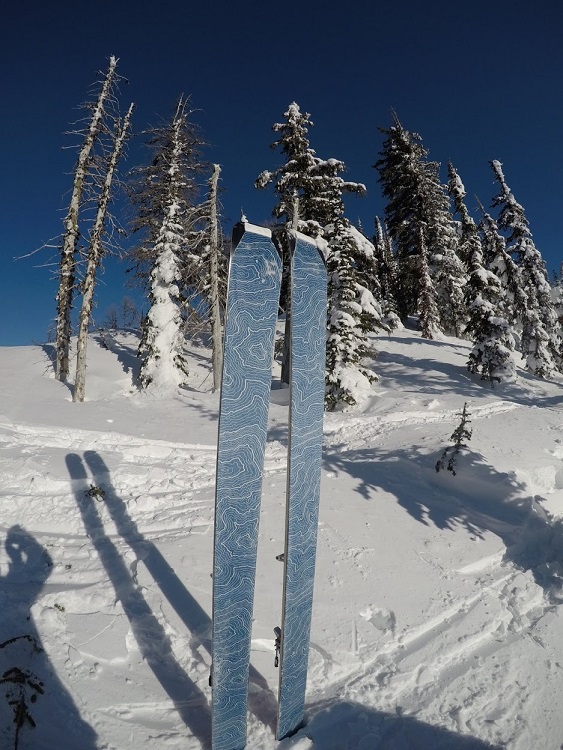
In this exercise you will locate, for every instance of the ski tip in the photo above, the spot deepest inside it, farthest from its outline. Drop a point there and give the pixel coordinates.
(238, 231)
(318, 242)
(242, 227)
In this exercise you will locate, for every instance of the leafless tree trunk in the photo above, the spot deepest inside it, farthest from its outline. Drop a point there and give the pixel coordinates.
(95, 253)
(70, 240)
(215, 310)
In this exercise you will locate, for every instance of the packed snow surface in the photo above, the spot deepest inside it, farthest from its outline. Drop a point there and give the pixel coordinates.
(436, 622)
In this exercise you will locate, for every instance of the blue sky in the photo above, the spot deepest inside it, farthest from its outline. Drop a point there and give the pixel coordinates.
(478, 81)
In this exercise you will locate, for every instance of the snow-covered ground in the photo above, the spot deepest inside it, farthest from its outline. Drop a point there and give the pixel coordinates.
(436, 621)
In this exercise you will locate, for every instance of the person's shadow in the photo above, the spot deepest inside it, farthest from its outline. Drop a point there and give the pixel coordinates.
(35, 706)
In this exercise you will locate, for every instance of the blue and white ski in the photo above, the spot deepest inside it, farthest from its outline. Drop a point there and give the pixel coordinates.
(252, 309)
(308, 346)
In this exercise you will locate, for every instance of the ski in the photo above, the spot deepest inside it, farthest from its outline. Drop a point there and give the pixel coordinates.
(308, 346)
(252, 309)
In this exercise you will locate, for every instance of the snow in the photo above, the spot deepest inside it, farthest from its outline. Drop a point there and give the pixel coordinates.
(436, 622)
(255, 229)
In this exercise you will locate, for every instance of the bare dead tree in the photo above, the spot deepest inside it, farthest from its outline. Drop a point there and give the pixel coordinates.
(95, 253)
(71, 234)
(286, 356)
(214, 305)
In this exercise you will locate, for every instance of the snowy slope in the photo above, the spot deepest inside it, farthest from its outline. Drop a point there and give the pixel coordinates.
(436, 620)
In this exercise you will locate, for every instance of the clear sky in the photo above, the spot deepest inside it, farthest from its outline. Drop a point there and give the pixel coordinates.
(478, 80)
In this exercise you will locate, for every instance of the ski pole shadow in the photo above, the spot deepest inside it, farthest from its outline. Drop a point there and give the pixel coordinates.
(36, 709)
(189, 701)
(262, 702)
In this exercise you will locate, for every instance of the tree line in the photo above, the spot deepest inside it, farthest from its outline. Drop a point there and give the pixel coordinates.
(428, 259)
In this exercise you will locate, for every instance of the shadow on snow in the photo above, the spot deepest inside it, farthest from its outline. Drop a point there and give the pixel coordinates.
(478, 498)
(48, 717)
(351, 726)
(154, 644)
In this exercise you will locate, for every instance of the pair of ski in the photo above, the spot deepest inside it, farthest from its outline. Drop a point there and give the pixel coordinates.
(252, 311)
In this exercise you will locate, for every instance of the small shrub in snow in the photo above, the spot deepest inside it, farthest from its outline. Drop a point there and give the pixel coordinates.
(459, 436)
(22, 688)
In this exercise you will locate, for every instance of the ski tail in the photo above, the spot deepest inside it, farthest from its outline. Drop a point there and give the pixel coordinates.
(308, 352)
(252, 309)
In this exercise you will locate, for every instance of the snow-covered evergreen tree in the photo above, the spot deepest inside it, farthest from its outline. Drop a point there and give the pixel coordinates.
(292, 179)
(449, 278)
(352, 313)
(174, 265)
(316, 187)
(417, 199)
(386, 275)
(292, 186)
(557, 295)
(491, 333)
(297, 190)
(493, 343)
(400, 165)
(485, 300)
(541, 341)
(353, 310)
(164, 366)
(469, 244)
(513, 302)
(302, 184)
(429, 315)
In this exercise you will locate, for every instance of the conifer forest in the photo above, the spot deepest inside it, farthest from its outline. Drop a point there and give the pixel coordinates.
(426, 262)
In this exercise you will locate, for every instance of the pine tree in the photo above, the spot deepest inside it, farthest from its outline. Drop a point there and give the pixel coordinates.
(292, 179)
(169, 189)
(514, 301)
(163, 363)
(310, 192)
(416, 200)
(303, 185)
(557, 295)
(400, 166)
(353, 311)
(386, 275)
(427, 307)
(292, 186)
(541, 342)
(469, 246)
(492, 336)
(447, 272)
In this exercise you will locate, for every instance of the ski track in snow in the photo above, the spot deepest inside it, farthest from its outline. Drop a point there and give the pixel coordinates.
(410, 668)
(368, 429)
